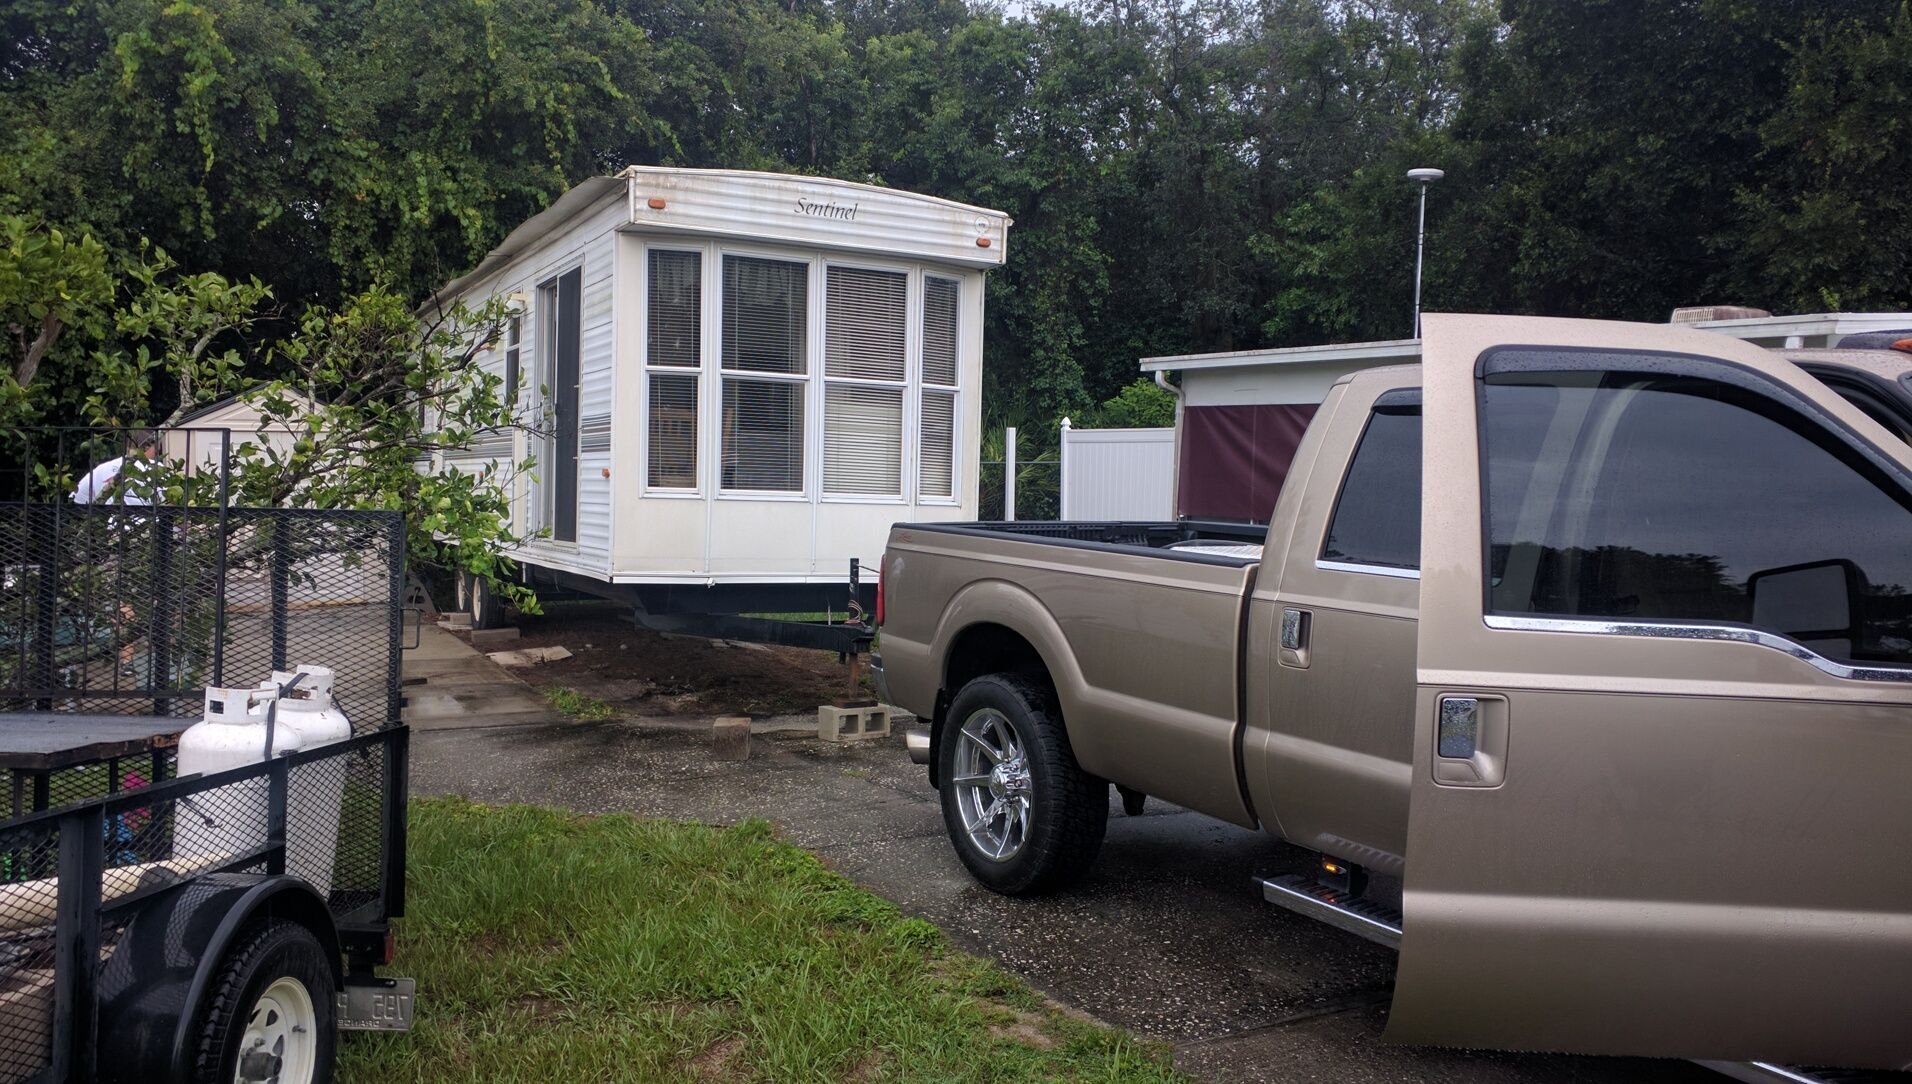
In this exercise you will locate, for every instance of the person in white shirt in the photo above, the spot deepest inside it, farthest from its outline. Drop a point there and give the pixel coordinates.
(119, 477)
(122, 480)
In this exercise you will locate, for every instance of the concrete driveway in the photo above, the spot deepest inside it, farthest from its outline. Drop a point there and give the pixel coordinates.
(1167, 937)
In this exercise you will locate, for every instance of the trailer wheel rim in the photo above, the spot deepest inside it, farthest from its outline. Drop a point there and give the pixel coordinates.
(281, 1041)
(994, 791)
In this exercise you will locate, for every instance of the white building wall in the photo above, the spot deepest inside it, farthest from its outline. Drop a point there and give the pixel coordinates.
(588, 246)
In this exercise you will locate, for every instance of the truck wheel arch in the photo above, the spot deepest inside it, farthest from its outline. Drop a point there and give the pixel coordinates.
(993, 626)
(153, 984)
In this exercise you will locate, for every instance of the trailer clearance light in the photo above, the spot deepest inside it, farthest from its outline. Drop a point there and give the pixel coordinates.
(655, 203)
(1903, 344)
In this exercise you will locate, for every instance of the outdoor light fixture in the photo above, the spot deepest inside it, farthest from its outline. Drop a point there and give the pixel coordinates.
(1422, 177)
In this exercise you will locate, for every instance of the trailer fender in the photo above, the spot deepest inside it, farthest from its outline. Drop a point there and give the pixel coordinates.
(152, 985)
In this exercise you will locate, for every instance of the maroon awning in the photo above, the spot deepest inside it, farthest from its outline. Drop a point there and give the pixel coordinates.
(1234, 458)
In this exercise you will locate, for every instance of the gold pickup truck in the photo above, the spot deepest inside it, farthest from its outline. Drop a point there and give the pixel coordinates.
(1596, 636)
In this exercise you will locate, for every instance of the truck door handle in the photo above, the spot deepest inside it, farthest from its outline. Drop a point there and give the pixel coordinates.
(1460, 727)
(1296, 624)
(1294, 629)
(1470, 740)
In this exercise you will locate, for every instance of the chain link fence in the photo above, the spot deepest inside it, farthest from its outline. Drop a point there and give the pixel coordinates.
(1038, 490)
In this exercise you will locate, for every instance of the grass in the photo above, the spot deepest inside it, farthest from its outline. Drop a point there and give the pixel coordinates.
(579, 705)
(551, 947)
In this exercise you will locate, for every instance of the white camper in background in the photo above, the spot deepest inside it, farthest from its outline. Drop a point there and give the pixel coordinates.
(735, 382)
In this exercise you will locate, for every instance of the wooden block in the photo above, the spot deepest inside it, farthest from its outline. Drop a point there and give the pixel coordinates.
(487, 637)
(730, 738)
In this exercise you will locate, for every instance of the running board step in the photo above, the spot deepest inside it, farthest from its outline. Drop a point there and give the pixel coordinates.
(1382, 925)
(1759, 1072)
(1306, 896)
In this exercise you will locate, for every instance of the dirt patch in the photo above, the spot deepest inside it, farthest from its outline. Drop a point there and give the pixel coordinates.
(644, 673)
(715, 1062)
(537, 1006)
(1025, 1028)
(867, 1068)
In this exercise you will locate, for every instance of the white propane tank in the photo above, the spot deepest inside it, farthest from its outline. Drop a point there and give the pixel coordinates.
(228, 820)
(315, 792)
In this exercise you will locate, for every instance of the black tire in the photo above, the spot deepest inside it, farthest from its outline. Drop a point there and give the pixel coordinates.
(486, 609)
(262, 955)
(1069, 807)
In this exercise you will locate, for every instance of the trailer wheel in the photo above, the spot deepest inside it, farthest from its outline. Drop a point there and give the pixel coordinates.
(1024, 817)
(269, 1015)
(476, 598)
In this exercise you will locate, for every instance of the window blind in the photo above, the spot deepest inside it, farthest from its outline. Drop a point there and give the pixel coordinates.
(676, 308)
(864, 450)
(766, 314)
(673, 420)
(763, 434)
(937, 465)
(863, 329)
(939, 331)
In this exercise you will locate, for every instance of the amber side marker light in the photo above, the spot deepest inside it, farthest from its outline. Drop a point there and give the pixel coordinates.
(655, 203)
(982, 242)
(1903, 344)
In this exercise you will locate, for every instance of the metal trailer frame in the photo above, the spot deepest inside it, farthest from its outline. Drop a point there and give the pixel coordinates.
(132, 925)
(717, 611)
(92, 1015)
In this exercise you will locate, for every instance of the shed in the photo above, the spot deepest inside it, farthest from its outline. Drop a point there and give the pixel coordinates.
(735, 379)
(1242, 413)
(208, 437)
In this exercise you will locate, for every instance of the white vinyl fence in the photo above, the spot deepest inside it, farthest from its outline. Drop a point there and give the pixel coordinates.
(1118, 474)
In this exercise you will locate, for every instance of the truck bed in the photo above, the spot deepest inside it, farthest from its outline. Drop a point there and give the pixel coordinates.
(1182, 539)
(1140, 638)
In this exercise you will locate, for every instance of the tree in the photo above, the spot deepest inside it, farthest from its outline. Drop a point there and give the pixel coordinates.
(1139, 405)
(1827, 219)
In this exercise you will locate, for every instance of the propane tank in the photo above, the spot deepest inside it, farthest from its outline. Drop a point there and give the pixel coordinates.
(308, 707)
(315, 792)
(228, 820)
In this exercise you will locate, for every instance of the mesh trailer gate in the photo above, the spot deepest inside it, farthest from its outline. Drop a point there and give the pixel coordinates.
(116, 618)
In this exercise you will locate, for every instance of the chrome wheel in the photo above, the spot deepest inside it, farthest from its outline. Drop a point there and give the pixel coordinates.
(994, 791)
(281, 1042)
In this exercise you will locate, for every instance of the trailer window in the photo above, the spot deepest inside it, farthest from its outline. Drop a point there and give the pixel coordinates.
(1661, 498)
(1377, 516)
(674, 344)
(865, 365)
(936, 470)
(514, 333)
(765, 362)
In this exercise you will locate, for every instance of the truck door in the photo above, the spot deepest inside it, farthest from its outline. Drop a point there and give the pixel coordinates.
(1662, 791)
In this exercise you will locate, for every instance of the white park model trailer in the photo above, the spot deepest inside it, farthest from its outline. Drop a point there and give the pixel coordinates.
(733, 384)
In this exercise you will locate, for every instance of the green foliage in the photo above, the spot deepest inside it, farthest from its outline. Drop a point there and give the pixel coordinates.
(560, 947)
(49, 284)
(1141, 404)
(579, 705)
(1184, 176)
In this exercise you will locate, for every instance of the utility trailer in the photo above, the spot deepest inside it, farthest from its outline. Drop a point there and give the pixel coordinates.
(218, 926)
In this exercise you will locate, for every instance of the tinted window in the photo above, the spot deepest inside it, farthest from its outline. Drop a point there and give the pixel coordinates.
(1677, 499)
(1377, 517)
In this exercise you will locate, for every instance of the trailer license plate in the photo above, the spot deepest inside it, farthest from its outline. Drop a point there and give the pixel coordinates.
(376, 1004)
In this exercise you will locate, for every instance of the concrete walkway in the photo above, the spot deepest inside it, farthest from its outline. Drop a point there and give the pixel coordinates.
(461, 689)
